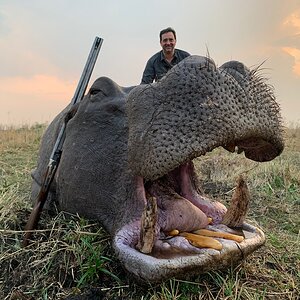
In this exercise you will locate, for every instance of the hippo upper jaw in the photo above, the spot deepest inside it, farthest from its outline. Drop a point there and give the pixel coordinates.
(197, 107)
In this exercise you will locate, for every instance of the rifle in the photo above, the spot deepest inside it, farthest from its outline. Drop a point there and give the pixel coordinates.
(57, 149)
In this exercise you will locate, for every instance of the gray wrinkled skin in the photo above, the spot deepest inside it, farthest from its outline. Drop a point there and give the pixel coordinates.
(122, 143)
(203, 108)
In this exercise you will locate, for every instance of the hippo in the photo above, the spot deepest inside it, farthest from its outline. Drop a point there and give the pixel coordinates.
(127, 162)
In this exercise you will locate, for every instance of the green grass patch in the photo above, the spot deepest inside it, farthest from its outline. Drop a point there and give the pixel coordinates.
(70, 255)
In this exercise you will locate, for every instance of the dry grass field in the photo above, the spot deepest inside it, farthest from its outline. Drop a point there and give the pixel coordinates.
(72, 256)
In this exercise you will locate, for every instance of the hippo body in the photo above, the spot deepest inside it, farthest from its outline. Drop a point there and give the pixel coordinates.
(125, 143)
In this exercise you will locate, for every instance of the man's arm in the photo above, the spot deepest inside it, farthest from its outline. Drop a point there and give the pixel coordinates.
(149, 73)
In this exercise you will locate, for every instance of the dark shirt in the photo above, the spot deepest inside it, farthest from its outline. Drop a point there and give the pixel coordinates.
(157, 66)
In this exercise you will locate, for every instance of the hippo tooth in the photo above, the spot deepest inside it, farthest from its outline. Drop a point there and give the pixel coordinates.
(148, 223)
(236, 214)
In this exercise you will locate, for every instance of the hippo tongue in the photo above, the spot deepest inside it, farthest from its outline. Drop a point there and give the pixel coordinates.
(175, 211)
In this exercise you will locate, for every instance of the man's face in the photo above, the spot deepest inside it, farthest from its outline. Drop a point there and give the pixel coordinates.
(168, 42)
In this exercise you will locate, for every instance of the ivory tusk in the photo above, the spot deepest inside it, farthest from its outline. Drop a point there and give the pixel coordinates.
(218, 234)
(201, 241)
(237, 211)
(148, 224)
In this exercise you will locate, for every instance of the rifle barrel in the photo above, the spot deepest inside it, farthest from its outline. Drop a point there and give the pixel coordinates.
(57, 149)
(80, 90)
(87, 71)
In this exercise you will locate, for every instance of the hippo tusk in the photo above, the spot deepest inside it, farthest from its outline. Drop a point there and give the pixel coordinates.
(173, 232)
(237, 211)
(202, 241)
(148, 224)
(218, 234)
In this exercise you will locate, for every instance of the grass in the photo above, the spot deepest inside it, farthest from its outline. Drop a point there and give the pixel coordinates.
(72, 255)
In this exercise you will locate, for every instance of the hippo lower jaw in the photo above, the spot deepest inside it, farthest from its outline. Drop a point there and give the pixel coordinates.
(152, 269)
(180, 206)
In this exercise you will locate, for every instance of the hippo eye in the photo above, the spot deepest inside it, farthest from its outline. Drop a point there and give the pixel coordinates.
(95, 91)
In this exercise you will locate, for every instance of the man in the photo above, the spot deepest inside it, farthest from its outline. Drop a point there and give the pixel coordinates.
(161, 62)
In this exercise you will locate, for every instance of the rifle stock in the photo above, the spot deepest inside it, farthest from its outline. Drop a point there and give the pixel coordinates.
(57, 149)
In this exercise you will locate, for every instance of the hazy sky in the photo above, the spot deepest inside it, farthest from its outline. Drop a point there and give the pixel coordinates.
(44, 46)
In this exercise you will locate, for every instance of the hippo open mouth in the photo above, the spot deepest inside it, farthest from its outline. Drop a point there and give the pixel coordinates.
(181, 230)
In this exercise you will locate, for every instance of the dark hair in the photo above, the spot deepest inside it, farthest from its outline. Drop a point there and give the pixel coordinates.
(169, 29)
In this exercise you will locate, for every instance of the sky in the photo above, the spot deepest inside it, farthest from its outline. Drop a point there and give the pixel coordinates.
(44, 46)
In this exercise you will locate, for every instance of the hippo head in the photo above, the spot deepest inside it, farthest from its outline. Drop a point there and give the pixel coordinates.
(127, 162)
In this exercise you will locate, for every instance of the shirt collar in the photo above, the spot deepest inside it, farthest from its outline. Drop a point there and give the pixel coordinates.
(162, 57)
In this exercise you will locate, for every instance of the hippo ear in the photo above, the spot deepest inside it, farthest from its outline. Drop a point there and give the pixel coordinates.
(103, 87)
